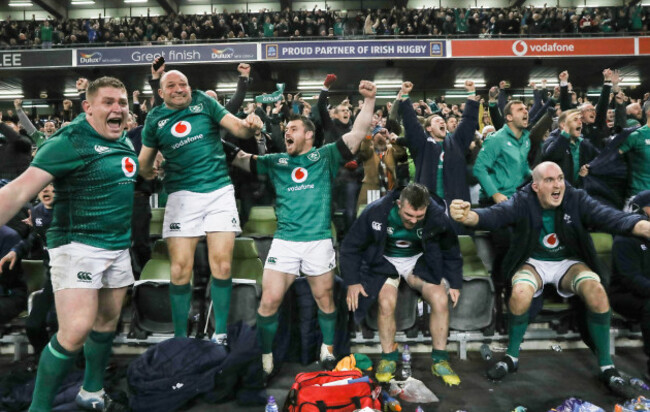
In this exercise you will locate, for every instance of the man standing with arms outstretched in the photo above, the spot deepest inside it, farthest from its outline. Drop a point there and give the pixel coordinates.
(93, 167)
(186, 130)
(551, 245)
(303, 178)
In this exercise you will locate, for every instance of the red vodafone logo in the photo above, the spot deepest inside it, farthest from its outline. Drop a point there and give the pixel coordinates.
(299, 174)
(128, 166)
(181, 129)
(519, 48)
(551, 241)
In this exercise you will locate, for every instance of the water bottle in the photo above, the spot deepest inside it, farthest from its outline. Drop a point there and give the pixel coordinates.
(406, 362)
(390, 404)
(486, 352)
(639, 383)
(271, 406)
(419, 409)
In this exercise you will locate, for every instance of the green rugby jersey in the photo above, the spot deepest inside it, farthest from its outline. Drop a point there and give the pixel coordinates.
(402, 242)
(303, 185)
(94, 179)
(548, 246)
(190, 141)
(638, 144)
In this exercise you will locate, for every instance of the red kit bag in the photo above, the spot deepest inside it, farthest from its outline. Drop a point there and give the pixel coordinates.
(308, 395)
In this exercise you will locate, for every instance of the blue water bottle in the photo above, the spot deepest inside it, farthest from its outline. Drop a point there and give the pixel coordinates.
(271, 406)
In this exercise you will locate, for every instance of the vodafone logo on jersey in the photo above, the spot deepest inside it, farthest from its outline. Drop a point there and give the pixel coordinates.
(299, 174)
(128, 167)
(551, 241)
(181, 129)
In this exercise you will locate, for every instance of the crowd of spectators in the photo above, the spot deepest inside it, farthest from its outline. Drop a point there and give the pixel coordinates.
(180, 28)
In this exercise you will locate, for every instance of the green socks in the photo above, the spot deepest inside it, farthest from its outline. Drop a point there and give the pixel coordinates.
(517, 325)
(327, 322)
(439, 355)
(97, 351)
(181, 298)
(220, 292)
(391, 356)
(54, 365)
(266, 328)
(598, 325)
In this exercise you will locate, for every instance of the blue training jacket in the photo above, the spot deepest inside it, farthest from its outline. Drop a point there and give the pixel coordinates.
(362, 251)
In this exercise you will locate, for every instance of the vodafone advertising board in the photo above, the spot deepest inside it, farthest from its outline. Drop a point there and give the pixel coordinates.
(644, 45)
(543, 47)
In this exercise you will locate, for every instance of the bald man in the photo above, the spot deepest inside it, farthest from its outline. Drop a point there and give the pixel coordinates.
(186, 130)
(551, 245)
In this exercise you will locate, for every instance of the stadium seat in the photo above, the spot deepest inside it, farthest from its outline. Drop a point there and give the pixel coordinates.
(262, 221)
(151, 304)
(34, 273)
(246, 263)
(603, 244)
(156, 224)
(160, 250)
(475, 309)
(244, 301)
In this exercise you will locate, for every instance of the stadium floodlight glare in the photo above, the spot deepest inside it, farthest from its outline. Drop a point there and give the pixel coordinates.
(310, 84)
(82, 2)
(549, 82)
(21, 4)
(388, 84)
(460, 83)
(135, 1)
(226, 87)
(11, 96)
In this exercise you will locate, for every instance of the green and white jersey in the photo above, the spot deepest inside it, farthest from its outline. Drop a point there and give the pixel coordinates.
(94, 179)
(402, 242)
(548, 246)
(190, 141)
(303, 187)
(638, 144)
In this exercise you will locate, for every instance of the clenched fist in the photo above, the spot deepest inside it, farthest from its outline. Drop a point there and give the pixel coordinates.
(459, 210)
(253, 122)
(367, 89)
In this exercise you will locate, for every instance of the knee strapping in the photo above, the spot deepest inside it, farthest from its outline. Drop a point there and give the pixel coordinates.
(527, 277)
(582, 276)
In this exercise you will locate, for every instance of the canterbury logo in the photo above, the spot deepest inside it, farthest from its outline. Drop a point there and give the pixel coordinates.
(84, 277)
(174, 226)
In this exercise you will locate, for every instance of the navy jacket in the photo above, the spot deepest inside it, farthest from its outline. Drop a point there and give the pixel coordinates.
(574, 216)
(362, 251)
(631, 266)
(426, 152)
(608, 173)
(556, 149)
(172, 373)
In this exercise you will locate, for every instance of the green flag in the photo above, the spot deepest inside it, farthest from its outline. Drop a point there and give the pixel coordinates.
(272, 97)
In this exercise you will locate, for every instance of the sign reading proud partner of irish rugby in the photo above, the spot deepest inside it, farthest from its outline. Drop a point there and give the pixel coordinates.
(353, 49)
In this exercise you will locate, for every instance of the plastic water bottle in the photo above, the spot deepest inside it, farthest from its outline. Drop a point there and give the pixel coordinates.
(486, 352)
(639, 383)
(271, 406)
(406, 362)
(390, 404)
(419, 409)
